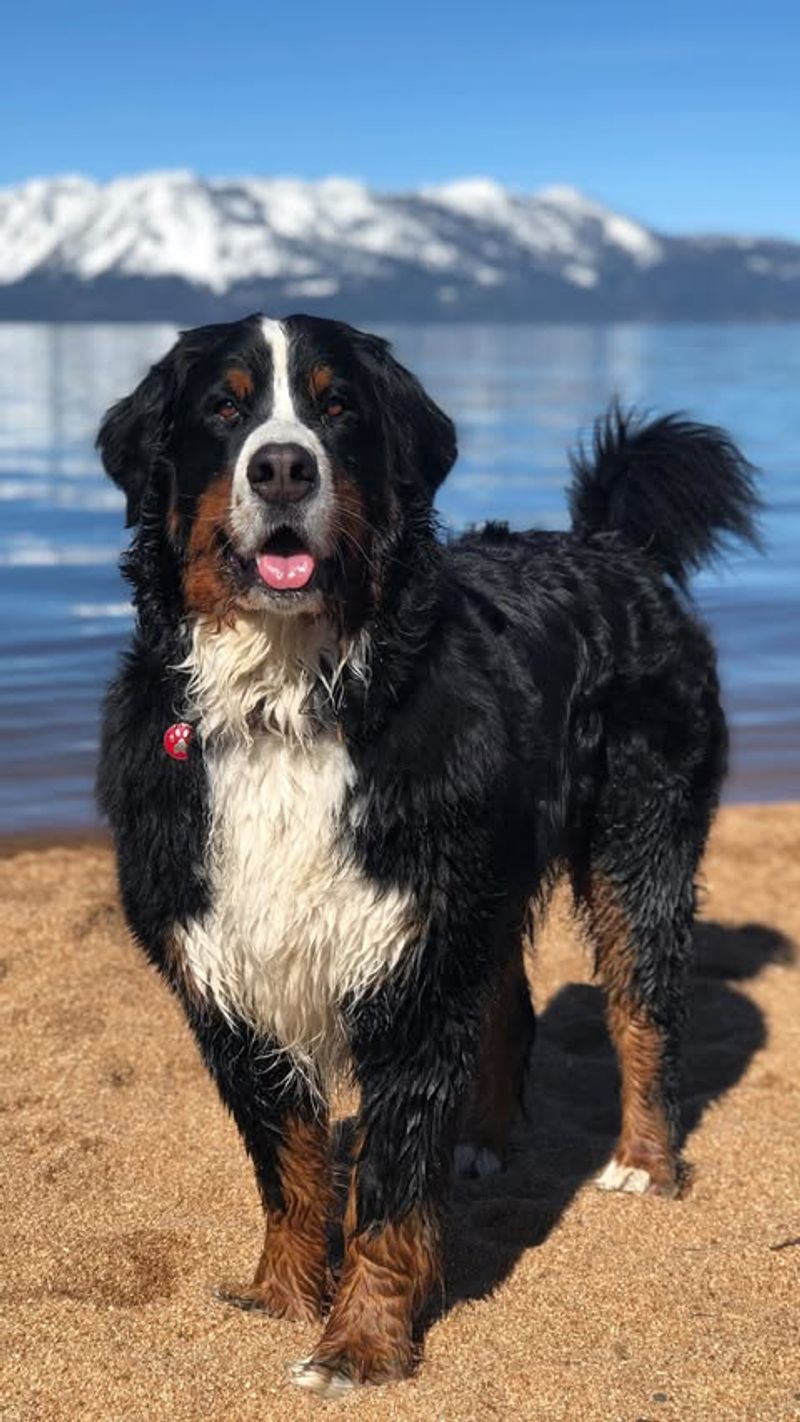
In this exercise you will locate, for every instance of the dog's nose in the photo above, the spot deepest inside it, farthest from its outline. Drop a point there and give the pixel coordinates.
(283, 473)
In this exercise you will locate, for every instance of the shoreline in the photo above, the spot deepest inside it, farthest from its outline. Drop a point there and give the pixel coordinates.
(68, 837)
(99, 836)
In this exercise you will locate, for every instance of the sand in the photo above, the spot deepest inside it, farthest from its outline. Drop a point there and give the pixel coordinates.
(128, 1196)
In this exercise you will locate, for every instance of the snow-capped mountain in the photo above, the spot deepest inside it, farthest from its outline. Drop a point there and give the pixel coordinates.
(177, 247)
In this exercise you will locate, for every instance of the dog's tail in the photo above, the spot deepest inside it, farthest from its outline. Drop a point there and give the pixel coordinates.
(678, 491)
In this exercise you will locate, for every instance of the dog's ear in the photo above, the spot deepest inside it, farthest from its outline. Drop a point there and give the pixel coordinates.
(134, 434)
(422, 435)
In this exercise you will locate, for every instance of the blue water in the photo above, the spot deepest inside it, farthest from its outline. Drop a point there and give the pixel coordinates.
(520, 396)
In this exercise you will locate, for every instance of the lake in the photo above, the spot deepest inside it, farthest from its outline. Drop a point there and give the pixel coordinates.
(520, 396)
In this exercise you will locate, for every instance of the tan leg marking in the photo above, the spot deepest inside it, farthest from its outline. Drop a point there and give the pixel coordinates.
(644, 1160)
(291, 1276)
(386, 1277)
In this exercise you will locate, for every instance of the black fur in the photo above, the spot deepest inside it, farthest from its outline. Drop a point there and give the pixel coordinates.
(672, 488)
(538, 702)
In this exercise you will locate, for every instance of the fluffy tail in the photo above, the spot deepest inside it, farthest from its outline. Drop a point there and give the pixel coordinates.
(674, 489)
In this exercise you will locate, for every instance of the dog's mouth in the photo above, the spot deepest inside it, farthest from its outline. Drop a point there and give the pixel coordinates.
(286, 572)
(285, 564)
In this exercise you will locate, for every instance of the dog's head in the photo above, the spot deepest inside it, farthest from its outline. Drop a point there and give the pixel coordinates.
(280, 459)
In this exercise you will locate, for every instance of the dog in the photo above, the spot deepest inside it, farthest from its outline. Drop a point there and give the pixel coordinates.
(344, 756)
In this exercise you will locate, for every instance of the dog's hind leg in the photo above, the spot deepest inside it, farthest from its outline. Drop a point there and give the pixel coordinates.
(640, 972)
(496, 1098)
(638, 905)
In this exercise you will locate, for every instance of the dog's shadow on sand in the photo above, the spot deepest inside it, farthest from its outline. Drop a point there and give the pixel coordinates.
(572, 1106)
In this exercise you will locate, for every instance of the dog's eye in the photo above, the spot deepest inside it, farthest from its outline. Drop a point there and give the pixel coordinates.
(227, 411)
(334, 408)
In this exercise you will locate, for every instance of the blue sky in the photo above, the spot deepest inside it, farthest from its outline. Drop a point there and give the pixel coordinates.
(685, 115)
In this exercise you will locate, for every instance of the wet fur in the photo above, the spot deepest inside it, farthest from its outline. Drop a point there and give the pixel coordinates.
(367, 814)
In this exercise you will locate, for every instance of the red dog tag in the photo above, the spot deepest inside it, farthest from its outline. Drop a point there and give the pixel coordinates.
(176, 740)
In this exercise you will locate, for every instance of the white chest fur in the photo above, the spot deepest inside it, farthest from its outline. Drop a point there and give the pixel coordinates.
(294, 924)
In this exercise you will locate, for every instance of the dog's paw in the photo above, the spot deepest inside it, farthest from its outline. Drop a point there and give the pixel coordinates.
(360, 1362)
(324, 1379)
(347, 1358)
(272, 1299)
(638, 1180)
(472, 1162)
(628, 1178)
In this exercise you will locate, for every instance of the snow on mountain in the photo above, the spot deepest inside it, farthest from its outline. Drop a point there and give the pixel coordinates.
(215, 233)
(73, 247)
(558, 221)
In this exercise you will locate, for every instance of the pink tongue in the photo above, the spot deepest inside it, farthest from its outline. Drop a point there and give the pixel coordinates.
(278, 572)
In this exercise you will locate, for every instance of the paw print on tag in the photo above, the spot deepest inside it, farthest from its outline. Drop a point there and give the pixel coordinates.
(176, 740)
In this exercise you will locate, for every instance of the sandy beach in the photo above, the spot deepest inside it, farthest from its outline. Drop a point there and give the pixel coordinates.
(128, 1196)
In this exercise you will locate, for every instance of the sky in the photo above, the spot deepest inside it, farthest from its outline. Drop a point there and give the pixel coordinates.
(685, 115)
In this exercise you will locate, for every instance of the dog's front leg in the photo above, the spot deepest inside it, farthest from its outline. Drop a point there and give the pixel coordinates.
(283, 1125)
(414, 1061)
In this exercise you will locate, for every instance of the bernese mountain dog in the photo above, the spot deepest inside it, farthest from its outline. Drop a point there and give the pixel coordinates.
(344, 756)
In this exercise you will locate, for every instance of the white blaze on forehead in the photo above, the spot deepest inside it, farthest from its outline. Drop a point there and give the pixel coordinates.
(277, 340)
(283, 425)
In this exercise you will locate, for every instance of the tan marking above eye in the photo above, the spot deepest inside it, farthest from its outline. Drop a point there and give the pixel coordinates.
(320, 380)
(239, 381)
